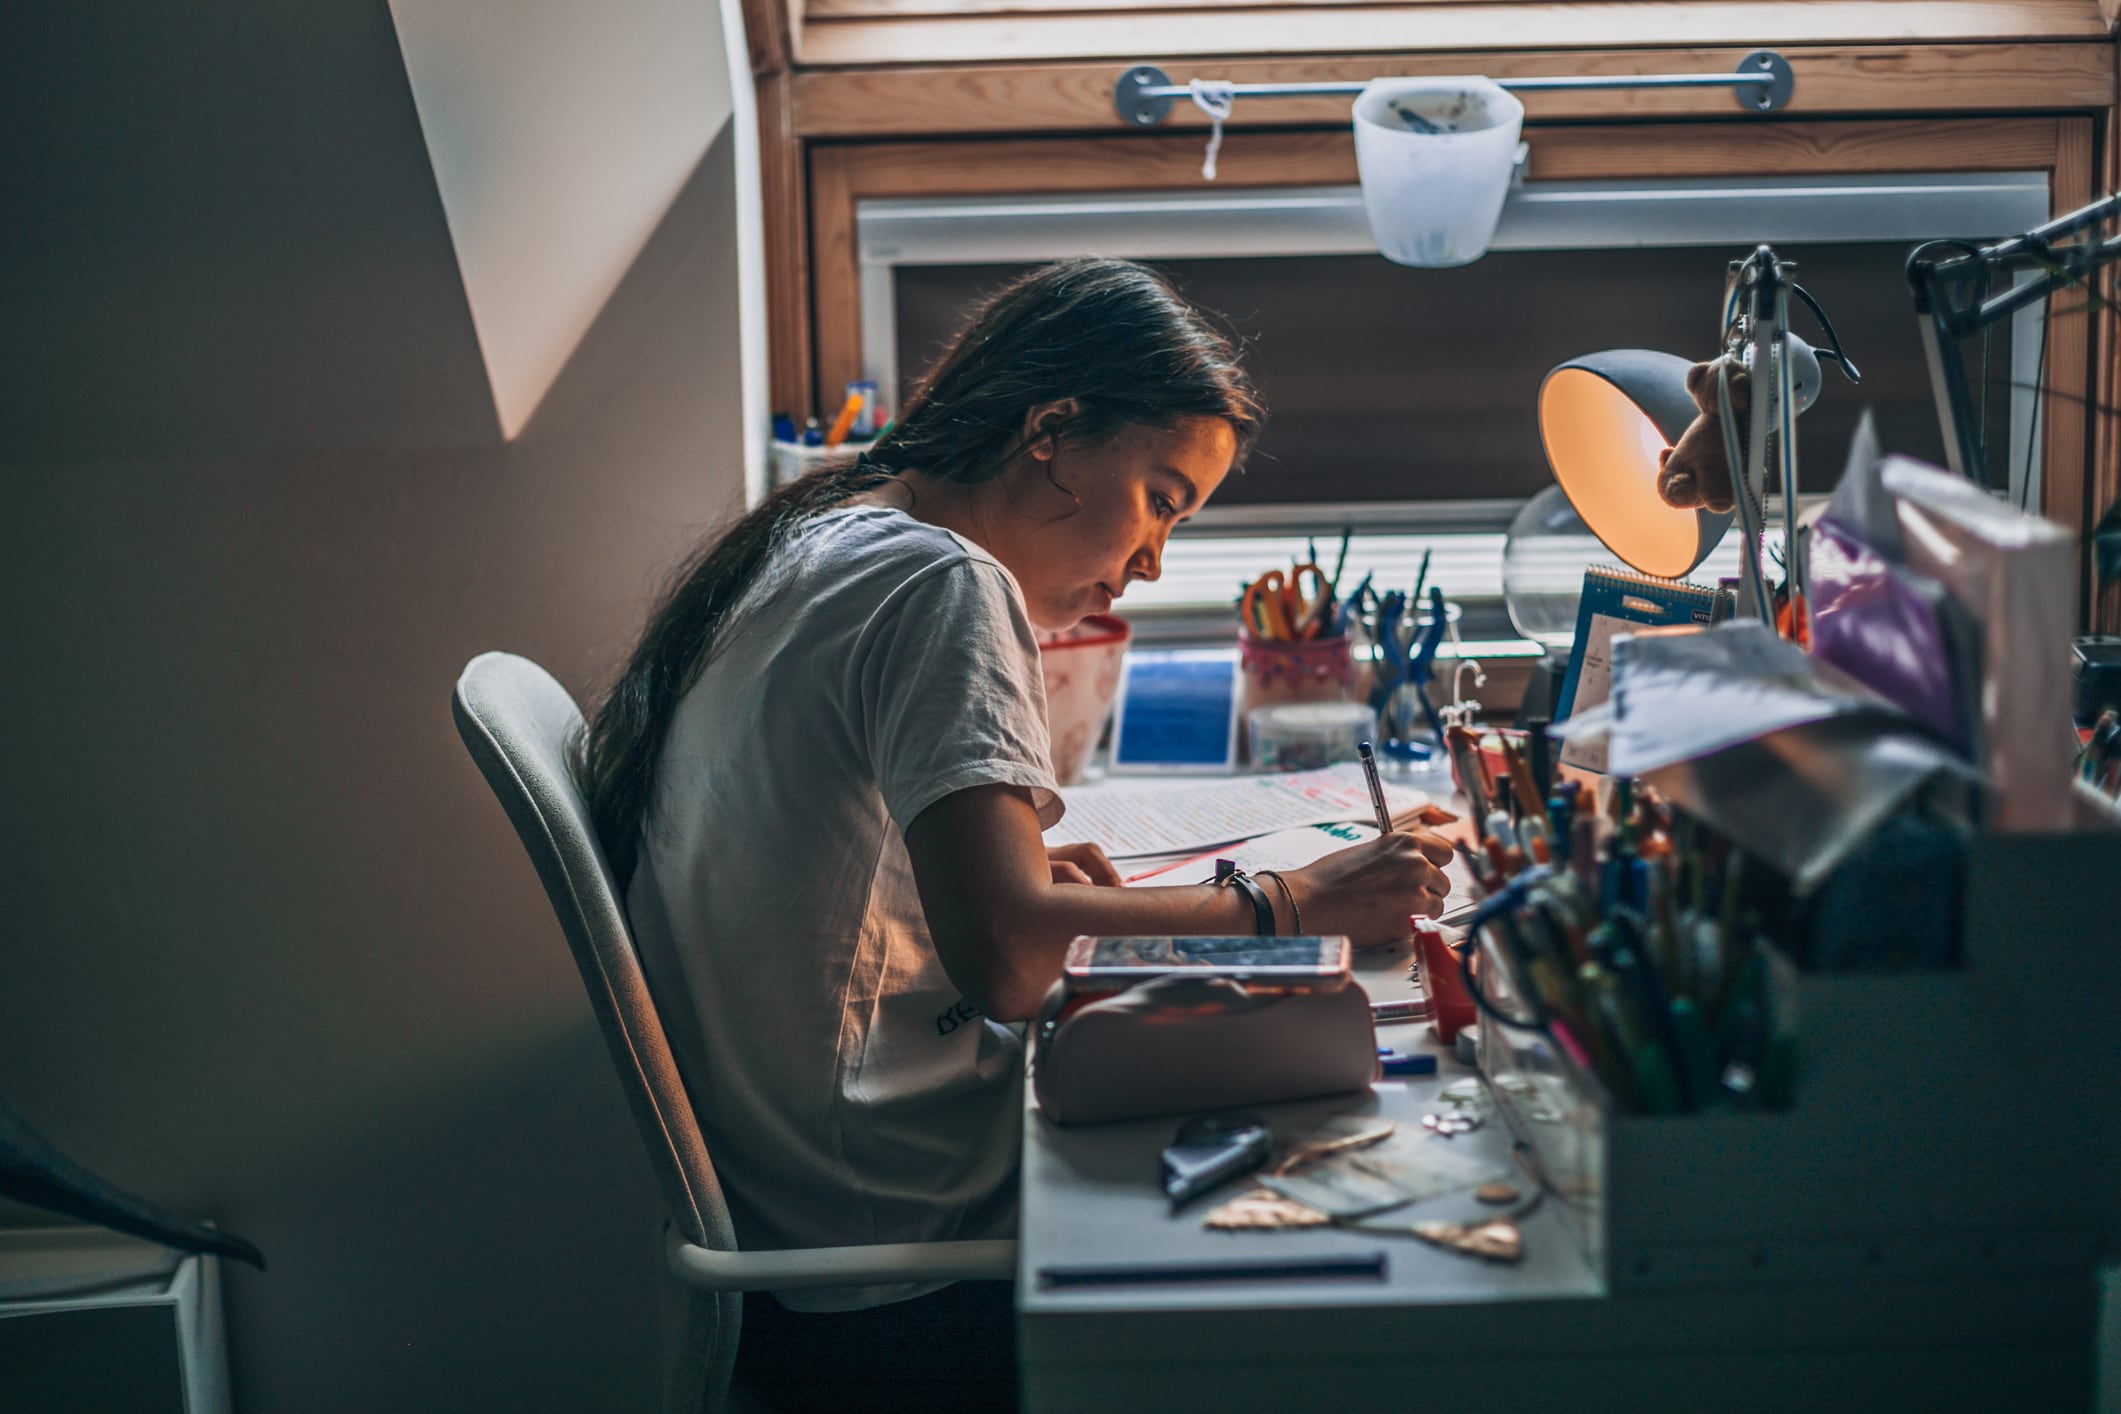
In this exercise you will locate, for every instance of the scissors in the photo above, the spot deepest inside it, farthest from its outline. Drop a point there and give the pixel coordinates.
(1276, 606)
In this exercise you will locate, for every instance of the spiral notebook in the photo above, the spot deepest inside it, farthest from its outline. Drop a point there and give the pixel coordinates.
(1617, 601)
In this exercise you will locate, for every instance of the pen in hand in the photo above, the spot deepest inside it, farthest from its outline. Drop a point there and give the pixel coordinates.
(1377, 787)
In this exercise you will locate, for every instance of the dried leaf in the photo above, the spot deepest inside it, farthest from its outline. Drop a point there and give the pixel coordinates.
(1498, 1240)
(1309, 1151)
(1259, 1208)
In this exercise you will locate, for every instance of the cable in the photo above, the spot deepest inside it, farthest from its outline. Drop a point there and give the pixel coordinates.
(1833, 340)
(1536, 1022)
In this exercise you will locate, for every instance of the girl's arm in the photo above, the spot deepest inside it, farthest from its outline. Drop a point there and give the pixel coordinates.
(1001, 923)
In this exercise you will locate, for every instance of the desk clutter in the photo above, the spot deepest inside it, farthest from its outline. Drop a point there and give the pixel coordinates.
(1635, 946)
(1752, 938)
(1769, 940)
(796, 451)
(1322, 672)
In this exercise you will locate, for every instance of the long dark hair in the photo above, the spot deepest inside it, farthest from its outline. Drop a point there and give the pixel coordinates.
(1111, 335)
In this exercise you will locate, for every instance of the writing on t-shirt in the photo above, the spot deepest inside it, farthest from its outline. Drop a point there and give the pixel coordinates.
(960, 1012)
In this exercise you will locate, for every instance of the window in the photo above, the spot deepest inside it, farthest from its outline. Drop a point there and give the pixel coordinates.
(1403, 400)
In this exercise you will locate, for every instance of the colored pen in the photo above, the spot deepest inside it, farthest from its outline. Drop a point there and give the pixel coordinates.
(1421, 577)
(1525, 795)
(844, 423)
(1542, 759)
(1377, 787)
(1473, 869)
(1465, 757)
(1340, 561)
(1499, 827)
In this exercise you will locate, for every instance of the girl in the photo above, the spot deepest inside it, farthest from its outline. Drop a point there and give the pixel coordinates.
(822, 781)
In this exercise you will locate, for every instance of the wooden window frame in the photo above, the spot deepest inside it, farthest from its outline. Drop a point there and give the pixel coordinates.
(2077, 466)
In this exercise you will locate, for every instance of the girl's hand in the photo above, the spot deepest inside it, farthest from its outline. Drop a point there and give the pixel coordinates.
(1368, 890)
(1081, 864)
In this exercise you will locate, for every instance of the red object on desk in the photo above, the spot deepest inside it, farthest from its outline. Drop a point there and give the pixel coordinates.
(1450, 1004)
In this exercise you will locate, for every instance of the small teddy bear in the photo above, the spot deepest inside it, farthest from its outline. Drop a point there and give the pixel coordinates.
(1694, 471)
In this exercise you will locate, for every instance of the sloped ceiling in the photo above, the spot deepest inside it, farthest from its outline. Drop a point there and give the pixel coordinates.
(559, 134)
(258, 229)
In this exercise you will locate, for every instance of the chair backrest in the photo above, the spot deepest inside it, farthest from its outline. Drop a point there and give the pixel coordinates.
(518, 724)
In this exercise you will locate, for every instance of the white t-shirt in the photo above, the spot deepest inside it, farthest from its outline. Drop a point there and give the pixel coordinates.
(848, 1093)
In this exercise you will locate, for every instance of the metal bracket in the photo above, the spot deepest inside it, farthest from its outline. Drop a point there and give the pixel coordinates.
(1132, 105)
(1768, 97)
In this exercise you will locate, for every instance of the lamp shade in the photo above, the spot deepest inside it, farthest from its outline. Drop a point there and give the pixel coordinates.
(1606, 420)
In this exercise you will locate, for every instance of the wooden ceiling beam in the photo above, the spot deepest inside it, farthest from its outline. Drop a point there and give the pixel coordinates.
(1151, 34)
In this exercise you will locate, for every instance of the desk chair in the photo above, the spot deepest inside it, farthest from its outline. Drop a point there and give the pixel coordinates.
(517, 723)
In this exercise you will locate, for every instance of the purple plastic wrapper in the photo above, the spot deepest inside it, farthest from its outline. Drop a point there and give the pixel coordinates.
(1879, 623)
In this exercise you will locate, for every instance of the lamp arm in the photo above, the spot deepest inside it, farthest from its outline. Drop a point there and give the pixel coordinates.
(1943, 320)
(1752, 593)
(1786, 422)
(1766, 290)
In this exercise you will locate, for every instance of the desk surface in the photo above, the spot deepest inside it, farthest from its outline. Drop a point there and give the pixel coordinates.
(1449, 1331)
(1090, 1196)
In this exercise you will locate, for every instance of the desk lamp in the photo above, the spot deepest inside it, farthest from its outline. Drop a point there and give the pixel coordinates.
(1606, 420)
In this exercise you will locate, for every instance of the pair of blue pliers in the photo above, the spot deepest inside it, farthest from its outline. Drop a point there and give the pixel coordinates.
(1358, 603)
(1391, 653)
(1403, 668)
(1425, 658)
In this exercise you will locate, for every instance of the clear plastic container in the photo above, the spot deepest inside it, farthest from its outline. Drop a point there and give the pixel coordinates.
(1303, 736)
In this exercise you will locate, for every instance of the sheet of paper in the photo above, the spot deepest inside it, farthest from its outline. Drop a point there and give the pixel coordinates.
(1284, 849)
(1593, 686)
(1132, 819)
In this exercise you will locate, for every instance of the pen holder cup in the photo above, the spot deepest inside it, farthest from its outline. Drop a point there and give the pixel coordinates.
(1081, 668)
(1437, 156)
(1306, 670)
(789, 461)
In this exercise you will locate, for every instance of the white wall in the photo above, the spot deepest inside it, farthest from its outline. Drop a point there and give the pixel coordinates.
(271, 955)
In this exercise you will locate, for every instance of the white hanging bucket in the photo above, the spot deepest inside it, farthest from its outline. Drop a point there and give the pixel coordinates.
(1436, 157)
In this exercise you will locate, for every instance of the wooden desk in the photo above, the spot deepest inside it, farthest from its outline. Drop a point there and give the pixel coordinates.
(1449, 1332)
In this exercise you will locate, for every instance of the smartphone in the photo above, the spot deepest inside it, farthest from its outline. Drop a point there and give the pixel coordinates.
(1293, 964)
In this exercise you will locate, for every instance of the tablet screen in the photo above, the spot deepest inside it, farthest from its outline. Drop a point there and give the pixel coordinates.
(1177, 711)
